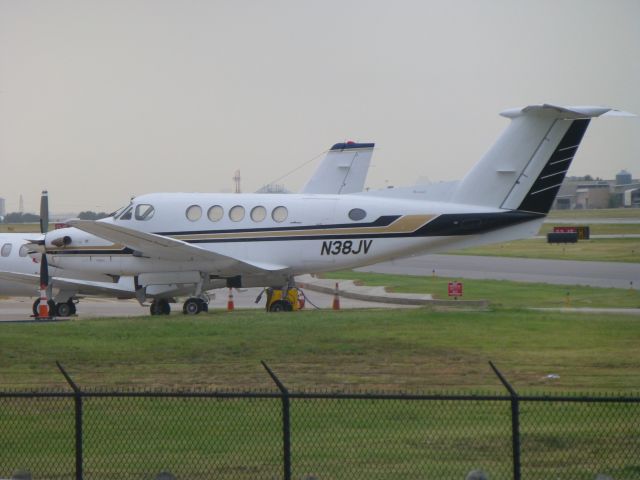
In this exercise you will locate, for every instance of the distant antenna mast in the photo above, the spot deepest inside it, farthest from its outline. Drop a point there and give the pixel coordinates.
(21, 205)
(236, 180)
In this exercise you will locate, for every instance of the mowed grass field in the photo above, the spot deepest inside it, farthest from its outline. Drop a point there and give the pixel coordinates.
(502, 293)
(391, 350)
(415, 350)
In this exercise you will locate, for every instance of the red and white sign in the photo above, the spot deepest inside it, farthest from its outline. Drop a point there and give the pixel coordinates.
(455, 289)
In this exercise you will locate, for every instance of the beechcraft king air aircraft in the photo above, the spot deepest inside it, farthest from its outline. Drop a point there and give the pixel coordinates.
(342, 171)
(208, 240)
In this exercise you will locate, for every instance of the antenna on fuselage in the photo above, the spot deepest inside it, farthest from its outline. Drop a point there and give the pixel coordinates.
(236, 180)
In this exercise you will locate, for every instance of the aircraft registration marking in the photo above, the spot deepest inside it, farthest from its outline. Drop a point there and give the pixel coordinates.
(345, 247)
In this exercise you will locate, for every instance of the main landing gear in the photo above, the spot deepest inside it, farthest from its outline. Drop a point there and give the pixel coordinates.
(60, 309)
(160, 307)
(195, 305)
(192, 306)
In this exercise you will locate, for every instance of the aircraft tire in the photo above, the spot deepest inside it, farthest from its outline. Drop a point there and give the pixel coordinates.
(160, 307)
(192, 306)
(280, 306)
(63, 309)
(36, 304)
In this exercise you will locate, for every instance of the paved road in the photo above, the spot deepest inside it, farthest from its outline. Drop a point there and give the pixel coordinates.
(561, 272)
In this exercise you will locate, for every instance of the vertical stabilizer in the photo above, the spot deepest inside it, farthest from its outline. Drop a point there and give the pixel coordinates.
(524, 169)
(343, 170)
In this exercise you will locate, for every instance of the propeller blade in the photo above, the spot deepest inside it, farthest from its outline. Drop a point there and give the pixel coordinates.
(44, 212)
(44, 272)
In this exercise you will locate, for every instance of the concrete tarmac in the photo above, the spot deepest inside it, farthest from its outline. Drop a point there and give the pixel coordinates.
(560, 272)
(19, 308)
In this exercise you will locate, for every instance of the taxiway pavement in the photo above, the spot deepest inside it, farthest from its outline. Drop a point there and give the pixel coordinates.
(560, 272)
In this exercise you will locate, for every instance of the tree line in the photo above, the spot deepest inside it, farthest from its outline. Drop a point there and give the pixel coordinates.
(17, 217)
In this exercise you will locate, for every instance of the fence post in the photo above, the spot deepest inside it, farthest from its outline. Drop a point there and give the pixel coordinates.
(78, 408)
(286, 422)
(515, 421)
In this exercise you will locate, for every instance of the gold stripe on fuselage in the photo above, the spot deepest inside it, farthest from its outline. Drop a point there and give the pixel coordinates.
(404, 224)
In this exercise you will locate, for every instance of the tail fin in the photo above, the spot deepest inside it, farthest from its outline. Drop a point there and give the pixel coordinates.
(343, 170)
(524, 169)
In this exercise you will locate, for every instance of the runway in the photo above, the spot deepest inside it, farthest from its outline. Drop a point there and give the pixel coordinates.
(560, 272)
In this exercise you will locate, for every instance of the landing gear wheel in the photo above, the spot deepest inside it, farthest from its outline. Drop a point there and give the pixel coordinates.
(160, 307)
(52, 307)
(193, 306)
(63, 309)
(280, 306)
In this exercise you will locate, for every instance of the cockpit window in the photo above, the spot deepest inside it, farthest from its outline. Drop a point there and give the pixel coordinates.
(24, 251)
(144, 211)
(126, 215)
(6, 250)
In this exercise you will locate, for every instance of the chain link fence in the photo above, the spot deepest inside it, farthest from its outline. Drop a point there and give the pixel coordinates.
(315, 436)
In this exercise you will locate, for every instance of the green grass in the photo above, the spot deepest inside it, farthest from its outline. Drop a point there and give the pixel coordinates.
(596, 213)
(408, 350)
(20, 228)
(602, 250)
(502, 293)
(369, 349)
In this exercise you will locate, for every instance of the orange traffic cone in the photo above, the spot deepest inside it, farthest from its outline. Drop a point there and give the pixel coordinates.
(43, 307)
(230, 305)
(336, 299)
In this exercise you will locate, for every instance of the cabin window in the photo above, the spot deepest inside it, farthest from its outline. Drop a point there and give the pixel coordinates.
(127, 214)
(194, 212)
(280, 214)
(24, 251)
(357, 214)
(236, 213)
(6, 250)
(215, 213)
(144, 211)
(258, 213)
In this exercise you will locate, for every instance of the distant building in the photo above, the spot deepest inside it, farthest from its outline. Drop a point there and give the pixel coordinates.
(2, 208)
(272, 188)
(585, 192)
(631, 198)
(623, 178)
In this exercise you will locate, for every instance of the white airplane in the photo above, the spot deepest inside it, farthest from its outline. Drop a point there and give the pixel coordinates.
(343, 170)
(166, 239)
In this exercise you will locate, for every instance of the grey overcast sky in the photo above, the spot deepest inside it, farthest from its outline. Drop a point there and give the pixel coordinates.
(101, 100)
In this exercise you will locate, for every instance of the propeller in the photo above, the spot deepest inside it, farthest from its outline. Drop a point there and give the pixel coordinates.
(43, 307)
(44, 212)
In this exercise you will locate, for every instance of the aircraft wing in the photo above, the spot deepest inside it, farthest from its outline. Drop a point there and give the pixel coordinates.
(167, 248)
(84, 287)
